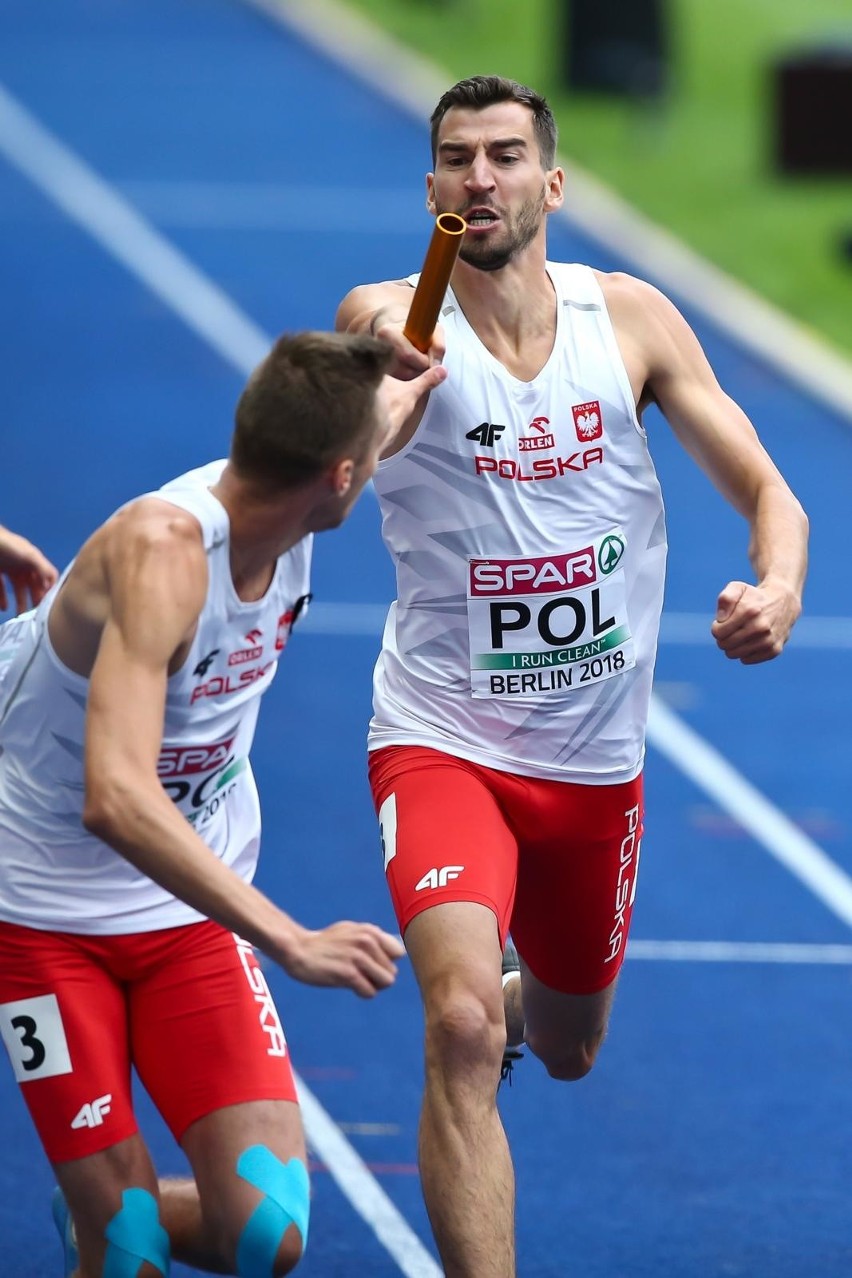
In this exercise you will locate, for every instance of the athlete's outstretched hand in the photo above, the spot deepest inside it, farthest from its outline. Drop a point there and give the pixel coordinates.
(29, 573)
(402, 397)
(356, 956)
(753, 623)
(388, 324)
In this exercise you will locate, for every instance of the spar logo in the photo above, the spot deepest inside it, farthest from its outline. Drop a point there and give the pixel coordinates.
(199, 778)
(543, 576)
(588, 421)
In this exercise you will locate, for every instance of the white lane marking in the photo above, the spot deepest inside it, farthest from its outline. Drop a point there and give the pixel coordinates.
(363, 1191)
(91, 203)
(276, 206)
(415, 84)
(775, 832)
(809, 632)
(739, 952)
(686, 628)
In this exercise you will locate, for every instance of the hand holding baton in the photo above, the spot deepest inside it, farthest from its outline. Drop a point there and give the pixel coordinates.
(435, 276)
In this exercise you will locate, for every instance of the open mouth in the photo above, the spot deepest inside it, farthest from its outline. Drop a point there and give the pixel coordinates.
(479, 218)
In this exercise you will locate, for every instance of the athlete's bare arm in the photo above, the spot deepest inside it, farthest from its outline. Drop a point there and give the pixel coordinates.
(29, 573)
(382, 309)
(666, 364)
(156, 569)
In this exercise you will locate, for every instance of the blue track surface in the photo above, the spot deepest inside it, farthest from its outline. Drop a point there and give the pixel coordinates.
(712, 1139)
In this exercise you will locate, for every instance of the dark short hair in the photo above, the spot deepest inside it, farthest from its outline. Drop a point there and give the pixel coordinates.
(310, 403)
(480, 91)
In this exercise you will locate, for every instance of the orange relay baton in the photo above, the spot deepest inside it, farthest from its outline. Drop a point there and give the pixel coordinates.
(435, 276)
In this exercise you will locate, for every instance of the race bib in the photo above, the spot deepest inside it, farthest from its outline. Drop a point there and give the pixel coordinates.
(547, 626)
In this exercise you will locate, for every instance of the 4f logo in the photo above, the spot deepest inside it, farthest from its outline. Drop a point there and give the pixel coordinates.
(486, 433)
(439, 878)
(205, 663)
(93, 1115)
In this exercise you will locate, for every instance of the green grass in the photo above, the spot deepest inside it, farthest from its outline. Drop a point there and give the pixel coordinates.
(700, 164)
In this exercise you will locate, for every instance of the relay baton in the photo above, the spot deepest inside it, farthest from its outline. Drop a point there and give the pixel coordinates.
(435, 276)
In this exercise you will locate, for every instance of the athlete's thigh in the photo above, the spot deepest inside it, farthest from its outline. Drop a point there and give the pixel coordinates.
(578, 860)
(444, 834)
(205, 1030)
(64, 1021)
(560, 1027)
(243, 1153)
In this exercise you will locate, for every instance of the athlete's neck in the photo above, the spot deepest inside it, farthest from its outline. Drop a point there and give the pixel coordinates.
(512, 311)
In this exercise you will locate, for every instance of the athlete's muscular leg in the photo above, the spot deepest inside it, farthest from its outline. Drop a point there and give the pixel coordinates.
(206, 1219)
(466, 1170)
(93, 1188)
(565, 1031)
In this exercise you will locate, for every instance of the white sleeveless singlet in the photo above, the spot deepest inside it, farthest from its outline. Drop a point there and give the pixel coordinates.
(53, 873)
(526, 524)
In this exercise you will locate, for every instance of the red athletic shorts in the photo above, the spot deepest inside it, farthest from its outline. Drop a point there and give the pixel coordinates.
(555, 861)
(189, 1007)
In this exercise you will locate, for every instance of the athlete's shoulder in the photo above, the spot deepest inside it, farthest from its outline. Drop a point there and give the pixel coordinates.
(629, 291)
(149, 531)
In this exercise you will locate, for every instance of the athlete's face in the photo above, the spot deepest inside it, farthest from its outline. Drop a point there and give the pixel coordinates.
(488, 169)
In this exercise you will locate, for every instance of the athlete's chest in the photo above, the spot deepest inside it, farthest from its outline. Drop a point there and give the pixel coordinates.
(548, 432)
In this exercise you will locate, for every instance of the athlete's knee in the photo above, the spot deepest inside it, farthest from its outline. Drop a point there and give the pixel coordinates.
(135, 1236)
(274, 1237)
(567, 1060)
(463, 1031)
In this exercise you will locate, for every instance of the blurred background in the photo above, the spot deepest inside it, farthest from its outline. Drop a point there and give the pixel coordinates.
(182, 179)
(728, 122)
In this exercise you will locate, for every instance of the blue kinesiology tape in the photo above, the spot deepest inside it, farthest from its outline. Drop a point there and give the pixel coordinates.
(135, 1235)
(287, 1202)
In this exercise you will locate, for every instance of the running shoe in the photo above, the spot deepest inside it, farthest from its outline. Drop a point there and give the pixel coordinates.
(511, 966)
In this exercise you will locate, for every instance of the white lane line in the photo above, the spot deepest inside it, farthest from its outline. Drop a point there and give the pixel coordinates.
(775, 832)
(738, 952)
(91, 203)
(356, 210)
(684, 628)
(363, 1191)
(96, 207)
(415, 84)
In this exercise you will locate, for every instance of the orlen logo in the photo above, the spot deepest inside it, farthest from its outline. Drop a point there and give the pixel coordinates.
(244, 655)
(544, 439)
(544, 576)
(588, 421)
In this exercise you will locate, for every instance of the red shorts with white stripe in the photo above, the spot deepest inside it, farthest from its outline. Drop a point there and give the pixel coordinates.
(189, 1007)
(555, 861)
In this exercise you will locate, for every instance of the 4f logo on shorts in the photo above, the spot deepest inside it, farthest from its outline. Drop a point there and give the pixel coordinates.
(439, 878)
(93, 1115)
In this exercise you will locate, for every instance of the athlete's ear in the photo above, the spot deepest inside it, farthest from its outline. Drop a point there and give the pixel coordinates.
(430, 193)
(554, 189)
(340, 477)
